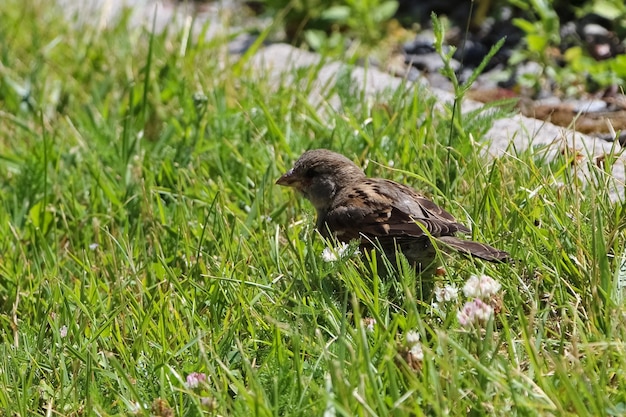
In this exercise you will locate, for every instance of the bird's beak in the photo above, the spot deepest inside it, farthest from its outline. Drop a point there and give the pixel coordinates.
(287, 179)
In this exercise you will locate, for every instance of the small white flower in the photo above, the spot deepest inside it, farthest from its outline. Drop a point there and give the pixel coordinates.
(63, 331)
(136, 408)
(93, 246)
(481, 287)
(328, 255)
(474, 312)
(447, 293)
(334, 254)
(417, 352)
(369, 323)
(194, 379)
(412, 338)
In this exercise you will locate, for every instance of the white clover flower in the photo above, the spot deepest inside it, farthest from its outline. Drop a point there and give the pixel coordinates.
(136, 408)
(417, 352)
(63, 331)
(194, 379)
(446, 294)
(481, 287)
(329, 255)
(369, 323)
(334, 254)
(474, 312)
(412, 338)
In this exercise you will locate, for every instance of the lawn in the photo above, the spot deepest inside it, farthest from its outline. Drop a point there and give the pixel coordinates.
(150, 266)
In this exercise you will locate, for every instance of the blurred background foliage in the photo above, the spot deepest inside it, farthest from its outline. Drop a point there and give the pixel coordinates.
(557, 34)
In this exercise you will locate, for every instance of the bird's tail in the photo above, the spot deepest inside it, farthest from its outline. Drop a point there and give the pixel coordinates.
(476, 249)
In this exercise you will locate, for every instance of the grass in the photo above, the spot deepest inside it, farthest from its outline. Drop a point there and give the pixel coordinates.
(143, 239)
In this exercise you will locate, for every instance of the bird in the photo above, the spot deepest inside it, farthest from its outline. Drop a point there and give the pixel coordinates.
(380, 213)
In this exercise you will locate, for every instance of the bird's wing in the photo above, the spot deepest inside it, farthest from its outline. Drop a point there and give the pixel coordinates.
(381, 208)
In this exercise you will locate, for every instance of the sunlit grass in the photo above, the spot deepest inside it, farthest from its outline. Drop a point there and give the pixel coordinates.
(143, 240)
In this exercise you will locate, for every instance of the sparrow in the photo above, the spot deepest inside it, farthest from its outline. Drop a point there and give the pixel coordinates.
(379, 213)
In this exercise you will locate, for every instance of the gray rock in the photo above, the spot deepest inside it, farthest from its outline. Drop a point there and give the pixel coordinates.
(161, 15)
(588, 106)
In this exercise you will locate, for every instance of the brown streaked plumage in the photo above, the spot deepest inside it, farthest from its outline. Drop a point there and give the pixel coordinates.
(378, 211)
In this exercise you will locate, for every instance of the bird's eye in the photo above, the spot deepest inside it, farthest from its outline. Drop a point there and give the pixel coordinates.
(310, 173)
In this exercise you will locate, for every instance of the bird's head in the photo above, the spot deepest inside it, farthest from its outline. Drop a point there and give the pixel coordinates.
(319, 174)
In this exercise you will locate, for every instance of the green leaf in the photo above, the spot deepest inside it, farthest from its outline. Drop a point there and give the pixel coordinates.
(525, 25)
(536, 43)
(385, 11)
(618, 65)
(573, 54)
(315, 38)
(608, 9)
(40, 217)
(336, 13)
